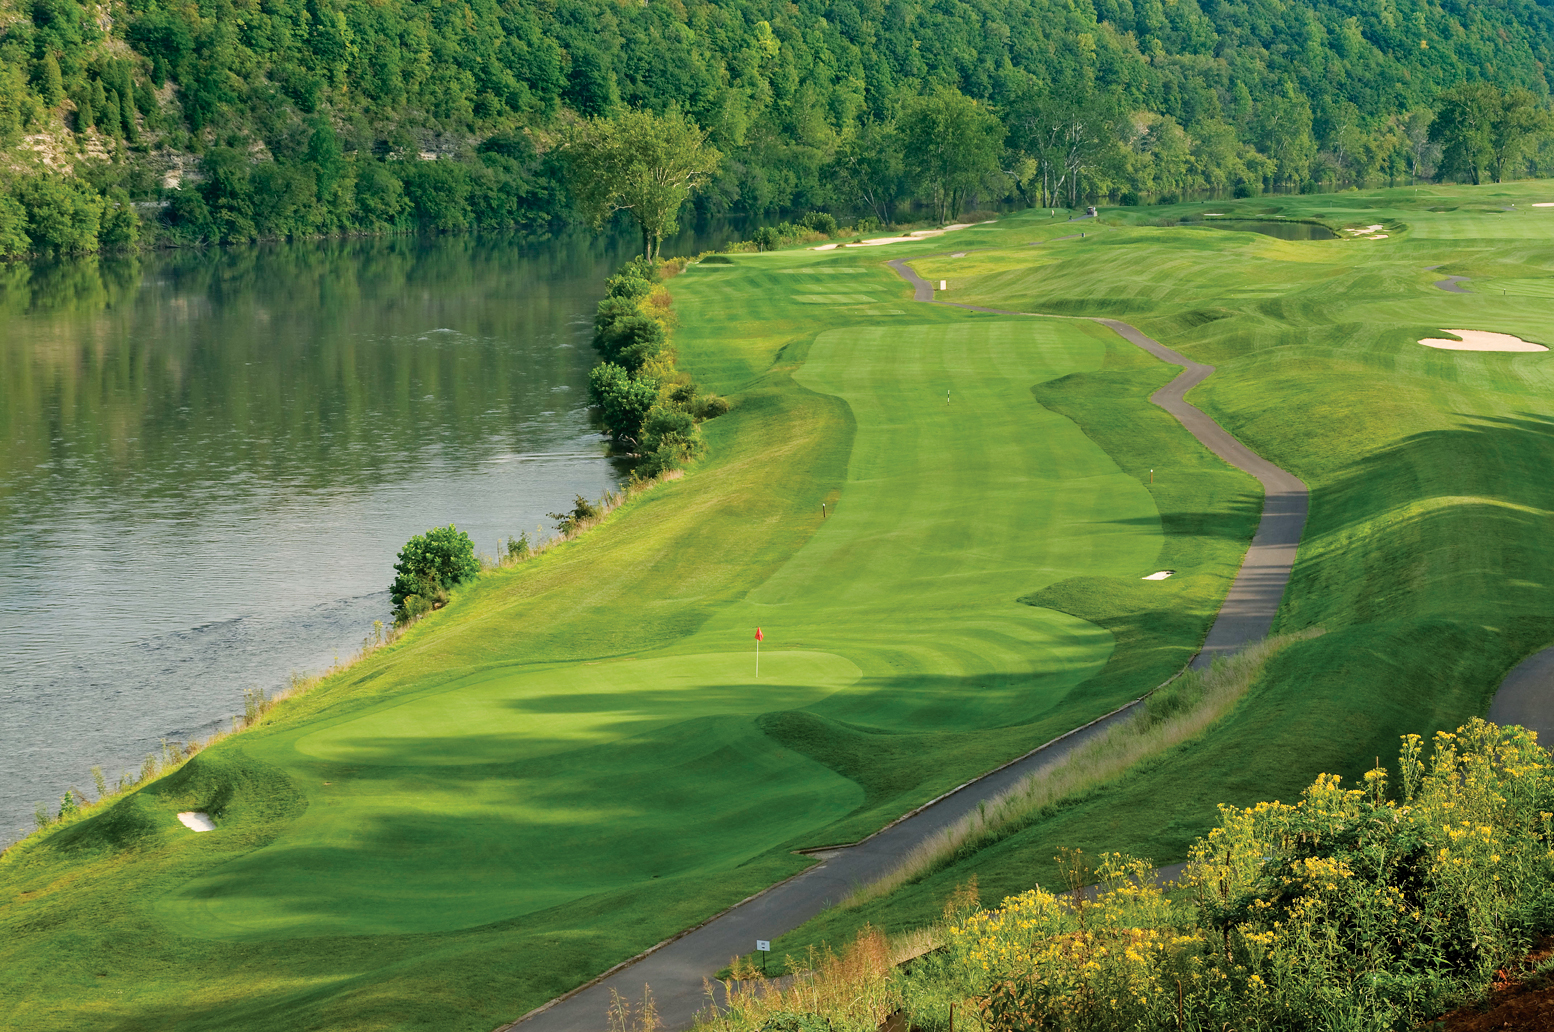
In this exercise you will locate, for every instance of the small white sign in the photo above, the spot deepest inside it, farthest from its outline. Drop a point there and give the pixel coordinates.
(763, 946)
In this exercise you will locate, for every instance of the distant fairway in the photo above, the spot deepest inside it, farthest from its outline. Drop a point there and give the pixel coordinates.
(518, 789)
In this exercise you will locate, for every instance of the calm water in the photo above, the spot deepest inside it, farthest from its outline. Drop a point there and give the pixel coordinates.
(1275, 228)
(211, 460)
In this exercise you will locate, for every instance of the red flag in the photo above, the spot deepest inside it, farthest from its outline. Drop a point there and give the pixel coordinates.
(758, 635)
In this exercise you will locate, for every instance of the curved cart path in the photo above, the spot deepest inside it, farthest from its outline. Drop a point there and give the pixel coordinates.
(1254, 597)
(1526, 697)
(678, 968)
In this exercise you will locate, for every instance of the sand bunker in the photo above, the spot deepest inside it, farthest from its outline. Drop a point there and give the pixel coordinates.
(1367, 232)
(1481, 340)
(919, 234)
(197, 821)
(1544, 204)
(1159, 575)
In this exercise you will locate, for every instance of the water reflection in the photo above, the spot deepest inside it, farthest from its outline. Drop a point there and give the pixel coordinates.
(212, 457)
(1275, 228)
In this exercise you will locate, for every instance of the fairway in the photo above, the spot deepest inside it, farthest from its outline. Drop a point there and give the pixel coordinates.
(518, 789)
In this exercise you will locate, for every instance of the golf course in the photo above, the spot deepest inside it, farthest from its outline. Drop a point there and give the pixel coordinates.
(942, 520)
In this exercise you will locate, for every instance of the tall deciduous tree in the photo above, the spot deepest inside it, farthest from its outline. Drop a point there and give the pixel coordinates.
(867, 167)
(1462, 128)
(1070, 133)
(1515, 122)
(641, 163)
(951, 144)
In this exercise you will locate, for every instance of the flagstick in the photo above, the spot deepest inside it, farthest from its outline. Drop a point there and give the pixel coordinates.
(758, 659)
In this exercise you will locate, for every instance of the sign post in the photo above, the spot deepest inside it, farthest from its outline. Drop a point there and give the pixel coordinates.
(763, 947)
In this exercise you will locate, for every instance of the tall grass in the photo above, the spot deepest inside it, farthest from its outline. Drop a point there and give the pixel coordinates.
(1175, 712)
(855, 991)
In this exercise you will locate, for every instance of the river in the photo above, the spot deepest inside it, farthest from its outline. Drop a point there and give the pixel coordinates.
(211, 459)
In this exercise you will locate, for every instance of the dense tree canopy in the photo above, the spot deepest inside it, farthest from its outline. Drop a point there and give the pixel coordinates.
(274, 118)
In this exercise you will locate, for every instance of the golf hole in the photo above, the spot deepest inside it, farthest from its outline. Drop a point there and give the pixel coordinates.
(1160, 575)
(1481, 340)
(195, 820)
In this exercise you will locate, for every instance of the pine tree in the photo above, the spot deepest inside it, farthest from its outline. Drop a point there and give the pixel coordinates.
(51, 85)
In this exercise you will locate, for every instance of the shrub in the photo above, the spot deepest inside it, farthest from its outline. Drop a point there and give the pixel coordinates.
(1346, 909)
(583, 513)
(628, 286)
(631, 341)
(1128, 198)
(624, 400)
(820, 222)
(766, 239)
(429, 565)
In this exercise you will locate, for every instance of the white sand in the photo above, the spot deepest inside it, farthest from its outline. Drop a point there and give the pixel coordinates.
(196, 821)
(1544, 204)
(1159, 575)
(1481, 340)
(1213, 214)
(919, 234)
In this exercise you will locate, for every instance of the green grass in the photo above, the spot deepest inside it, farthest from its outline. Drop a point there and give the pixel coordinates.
(1427, 555)
(575, 759)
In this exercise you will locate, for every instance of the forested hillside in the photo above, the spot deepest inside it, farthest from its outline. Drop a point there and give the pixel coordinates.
(243, 119)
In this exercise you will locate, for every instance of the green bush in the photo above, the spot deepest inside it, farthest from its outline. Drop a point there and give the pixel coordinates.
(583, 512)
(610, 311)
(820, 222)
(624, 400)
(628, 286)
(429, 565)
(766, 239)
(632, 341)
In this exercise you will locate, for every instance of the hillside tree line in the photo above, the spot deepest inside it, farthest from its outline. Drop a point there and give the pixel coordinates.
(232, 120)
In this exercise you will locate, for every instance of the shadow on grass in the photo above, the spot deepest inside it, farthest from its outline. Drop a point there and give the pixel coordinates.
(1445, 524)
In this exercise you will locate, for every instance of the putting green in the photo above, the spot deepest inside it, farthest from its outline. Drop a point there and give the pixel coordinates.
(518, 789)
(485, 718)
